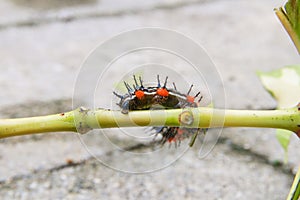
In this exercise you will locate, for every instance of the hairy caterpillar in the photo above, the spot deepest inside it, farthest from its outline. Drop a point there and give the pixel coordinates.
(140, 97)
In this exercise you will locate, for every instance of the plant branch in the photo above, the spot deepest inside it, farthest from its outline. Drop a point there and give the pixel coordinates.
(294, 193)
(82, 120)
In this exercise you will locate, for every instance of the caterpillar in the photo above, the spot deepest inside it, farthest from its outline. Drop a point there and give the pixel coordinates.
(139, 97)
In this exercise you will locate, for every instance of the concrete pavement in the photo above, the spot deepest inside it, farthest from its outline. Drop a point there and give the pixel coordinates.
(42, 48)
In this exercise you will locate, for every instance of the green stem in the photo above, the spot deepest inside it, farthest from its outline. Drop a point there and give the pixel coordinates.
(32, 125)
(294, 193)
(82, 120)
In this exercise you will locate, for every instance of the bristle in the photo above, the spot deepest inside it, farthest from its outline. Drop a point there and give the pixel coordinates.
(137, 85)
(174, 86)
(190, 89)
(165, 84)
(200, 99)
(118, 95)
(141, 82)
(197, 95)
(158, 81)
(129, 89)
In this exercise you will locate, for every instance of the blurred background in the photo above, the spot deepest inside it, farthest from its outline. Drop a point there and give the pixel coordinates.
(42, 46)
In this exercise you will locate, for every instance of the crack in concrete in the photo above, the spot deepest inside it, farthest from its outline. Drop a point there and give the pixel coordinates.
(235, 148)
(117, 13)
(261, 158)
(64, 166)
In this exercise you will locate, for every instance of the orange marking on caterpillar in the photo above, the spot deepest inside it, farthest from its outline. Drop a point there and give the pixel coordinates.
(162, 92)
(139, 94)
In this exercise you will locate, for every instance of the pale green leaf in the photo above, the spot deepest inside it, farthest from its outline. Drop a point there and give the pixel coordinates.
(283, 84)
(283, 137)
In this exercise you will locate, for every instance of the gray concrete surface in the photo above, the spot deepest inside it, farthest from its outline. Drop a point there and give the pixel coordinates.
(42, 47)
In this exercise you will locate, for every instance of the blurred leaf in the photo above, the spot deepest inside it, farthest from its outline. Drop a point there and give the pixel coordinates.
(284, 85)
(283, 137)
(289, 16)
